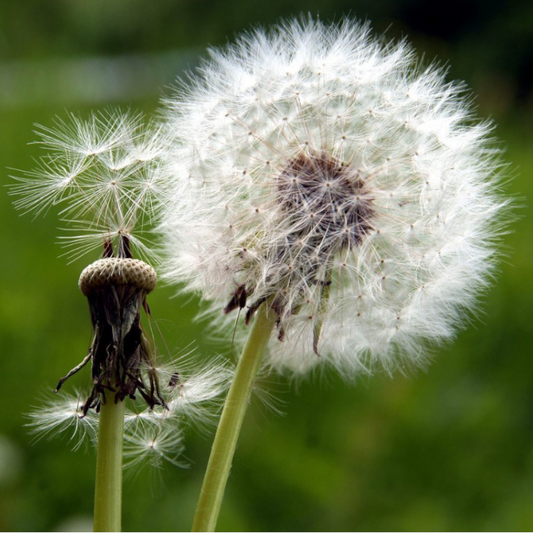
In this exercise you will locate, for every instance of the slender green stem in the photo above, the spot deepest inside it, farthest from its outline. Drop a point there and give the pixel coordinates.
(225, 442)
(108, 491)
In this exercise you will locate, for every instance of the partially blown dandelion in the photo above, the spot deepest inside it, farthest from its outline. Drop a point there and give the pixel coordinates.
(335, 181)
(104, 172)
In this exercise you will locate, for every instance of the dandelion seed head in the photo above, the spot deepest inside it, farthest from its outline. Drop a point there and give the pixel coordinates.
(326, 173)
(103, 173)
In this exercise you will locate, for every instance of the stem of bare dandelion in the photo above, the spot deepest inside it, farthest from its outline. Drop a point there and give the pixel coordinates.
(108, 490)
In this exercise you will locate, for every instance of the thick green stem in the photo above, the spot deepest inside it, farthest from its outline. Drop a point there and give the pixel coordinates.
(108, 491)
(225, 442)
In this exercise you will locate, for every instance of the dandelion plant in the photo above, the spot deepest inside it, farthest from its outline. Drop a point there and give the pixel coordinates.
(338, 193)
(104, 173)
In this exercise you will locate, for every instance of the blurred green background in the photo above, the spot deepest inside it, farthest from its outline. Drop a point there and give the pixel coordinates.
(447, 449)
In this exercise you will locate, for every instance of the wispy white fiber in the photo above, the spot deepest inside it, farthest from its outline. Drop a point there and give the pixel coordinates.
(62, 414)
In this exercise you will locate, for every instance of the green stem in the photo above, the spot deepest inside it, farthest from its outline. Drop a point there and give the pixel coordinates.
(108, 491)
(218, 468)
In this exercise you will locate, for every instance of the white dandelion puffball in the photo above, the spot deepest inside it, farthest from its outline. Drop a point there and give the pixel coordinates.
(325, 174)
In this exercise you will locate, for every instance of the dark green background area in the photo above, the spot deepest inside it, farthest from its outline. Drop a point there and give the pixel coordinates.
(446, 449)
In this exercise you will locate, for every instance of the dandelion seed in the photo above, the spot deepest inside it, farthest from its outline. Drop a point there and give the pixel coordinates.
(326, 175)
(195, 393)
(64, 415)
(154, 446)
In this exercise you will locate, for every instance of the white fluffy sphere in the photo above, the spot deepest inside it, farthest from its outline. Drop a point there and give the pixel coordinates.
(324, 173)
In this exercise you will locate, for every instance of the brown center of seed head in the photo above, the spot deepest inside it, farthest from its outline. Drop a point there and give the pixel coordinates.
(117, 271)
(326, 208)
(327, 203)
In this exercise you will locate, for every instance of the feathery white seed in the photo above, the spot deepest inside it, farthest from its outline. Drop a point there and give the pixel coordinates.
(151, 435)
